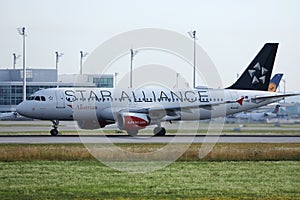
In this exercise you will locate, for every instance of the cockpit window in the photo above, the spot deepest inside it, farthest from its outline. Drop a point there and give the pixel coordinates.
(30, 98)
(36, 98)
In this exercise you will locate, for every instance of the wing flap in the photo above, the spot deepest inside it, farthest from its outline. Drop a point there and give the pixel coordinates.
(170, 110)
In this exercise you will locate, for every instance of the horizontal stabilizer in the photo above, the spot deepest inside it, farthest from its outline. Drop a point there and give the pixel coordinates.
(275, 96)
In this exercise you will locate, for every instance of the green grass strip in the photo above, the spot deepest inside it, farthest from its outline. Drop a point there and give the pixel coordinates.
(180, 180)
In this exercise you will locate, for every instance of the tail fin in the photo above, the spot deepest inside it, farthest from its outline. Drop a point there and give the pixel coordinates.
(274, 83)
(276, 109)
(258, 73)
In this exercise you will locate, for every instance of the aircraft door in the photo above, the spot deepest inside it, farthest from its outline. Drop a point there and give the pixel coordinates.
(60, 99)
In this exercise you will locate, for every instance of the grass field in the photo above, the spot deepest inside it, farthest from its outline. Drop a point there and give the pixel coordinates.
(229, 171)
(220, 152)
(195, 179)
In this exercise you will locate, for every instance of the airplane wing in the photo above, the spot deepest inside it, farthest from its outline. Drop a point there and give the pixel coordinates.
(274, 96)
(172, 111)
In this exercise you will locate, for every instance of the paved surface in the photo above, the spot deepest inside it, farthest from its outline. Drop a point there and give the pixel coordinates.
(37, 126)
(147, 139)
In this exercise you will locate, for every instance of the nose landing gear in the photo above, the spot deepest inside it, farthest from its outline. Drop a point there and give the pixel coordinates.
(54, 131)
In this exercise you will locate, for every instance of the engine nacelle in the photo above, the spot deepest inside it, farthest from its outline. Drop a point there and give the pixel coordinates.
(92, 124)
(132, 121)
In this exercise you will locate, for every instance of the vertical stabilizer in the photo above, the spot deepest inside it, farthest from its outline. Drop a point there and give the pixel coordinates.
(258, 73)
(274, 83)
(276, 109)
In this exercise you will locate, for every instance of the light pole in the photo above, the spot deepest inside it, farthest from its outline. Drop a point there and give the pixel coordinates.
(82, 55)
(132, 54)
(192, 34)
(15, 58)
(57, 56)
(177, 76)
(22, 33)
(116, 74)
(284, 82)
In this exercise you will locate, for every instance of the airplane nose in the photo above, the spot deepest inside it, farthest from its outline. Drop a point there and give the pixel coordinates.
(22, 109)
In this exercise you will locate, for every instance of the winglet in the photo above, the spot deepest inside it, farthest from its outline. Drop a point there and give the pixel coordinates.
(240, 101)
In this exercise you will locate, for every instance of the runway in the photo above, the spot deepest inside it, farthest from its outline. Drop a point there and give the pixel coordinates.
(75, 139)
(38, 126)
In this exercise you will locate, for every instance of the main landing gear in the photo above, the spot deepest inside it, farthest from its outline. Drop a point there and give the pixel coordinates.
(159, 131)
(54, 131)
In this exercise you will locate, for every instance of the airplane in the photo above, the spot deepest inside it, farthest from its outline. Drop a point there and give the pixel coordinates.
(258, 116)
(135, 109)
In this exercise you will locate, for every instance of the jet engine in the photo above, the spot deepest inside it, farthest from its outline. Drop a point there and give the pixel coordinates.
(132, 121)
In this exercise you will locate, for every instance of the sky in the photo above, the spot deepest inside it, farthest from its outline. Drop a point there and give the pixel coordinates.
(231, 32)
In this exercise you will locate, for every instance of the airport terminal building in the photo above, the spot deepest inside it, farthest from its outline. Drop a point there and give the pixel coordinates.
(11, 84)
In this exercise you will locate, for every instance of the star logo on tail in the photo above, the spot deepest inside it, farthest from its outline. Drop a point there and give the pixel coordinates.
(258, 74)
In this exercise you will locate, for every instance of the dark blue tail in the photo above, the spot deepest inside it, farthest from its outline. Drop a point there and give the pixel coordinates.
(274, 83)
(276, 109)
(258, 74)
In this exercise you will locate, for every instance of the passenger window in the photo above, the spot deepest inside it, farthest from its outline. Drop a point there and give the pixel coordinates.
(43, 98)
(37, 98)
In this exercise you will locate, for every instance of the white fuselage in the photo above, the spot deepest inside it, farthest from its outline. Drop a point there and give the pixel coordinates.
(88, 103)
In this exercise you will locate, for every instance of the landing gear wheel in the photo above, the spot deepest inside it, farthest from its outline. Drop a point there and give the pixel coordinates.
(54, 132)
(132, 132)
(159, 131)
